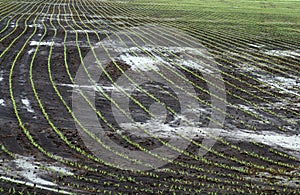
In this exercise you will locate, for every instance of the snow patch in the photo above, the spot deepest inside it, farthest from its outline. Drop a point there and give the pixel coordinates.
(52, 43)
(31, 51)
(93, 87)
(34, 185)
(144, 62)
(157, 128)
(13, 24)
(255, 45)
(286, 85)
(140, 63)
(194, 65)
(250, 109)
(283, 53)
(279, 179)
(27, 105)
(36, 25)
(36, 43)
(277, 140)
(26, 168)
(88, 31)
(2, 102)
(1, 76)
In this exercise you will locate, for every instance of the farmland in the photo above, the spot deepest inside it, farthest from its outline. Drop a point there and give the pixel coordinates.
(149, 97)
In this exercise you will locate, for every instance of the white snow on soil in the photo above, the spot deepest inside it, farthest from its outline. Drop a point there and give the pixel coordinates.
(33, 185)
(143, 62)
(283, 53)
(1, 76)
(256, 45)
(157, 128)
(140, 63)
(284, 84)
(27, 168)
(93, 87)
(251, 109)
(88, 31)
(194, 65)
(35, 43)
(2, 102)
(31, 51)
(279, 179)
(27, 105)
(186, 50)
(277, 140)
(52, 43)
(36, 25)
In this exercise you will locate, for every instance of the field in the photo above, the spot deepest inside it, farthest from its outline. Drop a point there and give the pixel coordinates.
(149, 97)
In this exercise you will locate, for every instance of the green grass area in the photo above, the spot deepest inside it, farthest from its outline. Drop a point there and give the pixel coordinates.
(272, 19)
